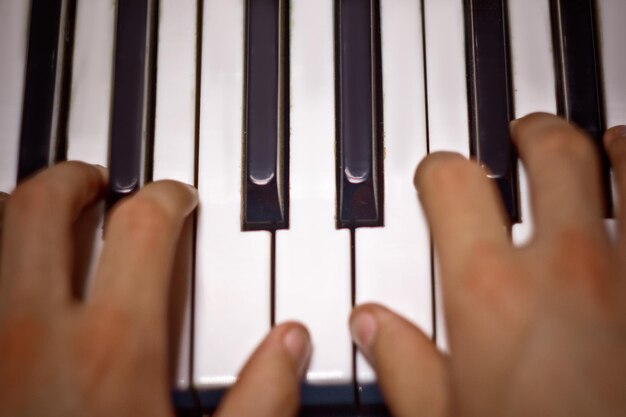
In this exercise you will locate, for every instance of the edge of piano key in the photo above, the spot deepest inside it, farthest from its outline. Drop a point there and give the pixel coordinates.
(316, 400)
(327, 395)
(210, 398)
(314, 396)
(184, 403)
(370, 395)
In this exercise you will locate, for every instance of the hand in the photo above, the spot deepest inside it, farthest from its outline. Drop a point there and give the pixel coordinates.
(537, 330)
(107, 355)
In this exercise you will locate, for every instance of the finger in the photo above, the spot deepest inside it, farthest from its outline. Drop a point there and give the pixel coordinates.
(564, 173)
(141, 239)
(462, 206)
(269, 383)
(411, 372)
(3, 199)
(615, 144)
(38, 228)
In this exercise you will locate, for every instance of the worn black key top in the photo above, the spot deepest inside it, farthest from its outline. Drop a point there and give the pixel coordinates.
(490, 97)
(266, 116)
(132, 97)
(46, 92)
(359, 113)
(579, 95)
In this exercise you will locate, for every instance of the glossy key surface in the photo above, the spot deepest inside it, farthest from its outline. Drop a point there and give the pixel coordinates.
(265, 190)
(490, 98)
(359, 114)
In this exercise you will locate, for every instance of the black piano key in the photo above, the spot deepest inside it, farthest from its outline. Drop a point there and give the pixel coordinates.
(579, 95)
(133, 75)
(46, 92)
(359, 114)
(490, 96)
(266, 116)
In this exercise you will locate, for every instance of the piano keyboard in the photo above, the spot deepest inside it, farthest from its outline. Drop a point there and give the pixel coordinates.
(301, 123)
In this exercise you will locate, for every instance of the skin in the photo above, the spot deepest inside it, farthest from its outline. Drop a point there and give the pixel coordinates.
(535, 330)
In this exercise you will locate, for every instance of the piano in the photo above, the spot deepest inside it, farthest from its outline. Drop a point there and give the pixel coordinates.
(301, 123)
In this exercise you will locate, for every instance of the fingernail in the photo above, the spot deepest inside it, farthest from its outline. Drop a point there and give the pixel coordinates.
(617, 132)
(298, 345)
(103, 171)
(192, 188)
(363, 328)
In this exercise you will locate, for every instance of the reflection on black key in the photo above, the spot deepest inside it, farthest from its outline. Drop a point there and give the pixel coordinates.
(267, 125)
(578, 85)
(130, 123)
(48, 74)
(490, 96)
(359, 113)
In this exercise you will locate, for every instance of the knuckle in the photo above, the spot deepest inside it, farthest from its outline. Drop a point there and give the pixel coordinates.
(617, 151)
(492, 277)
(102, 337)
(583, 264)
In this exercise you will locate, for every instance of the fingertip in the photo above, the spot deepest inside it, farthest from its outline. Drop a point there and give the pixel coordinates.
(534, 118)
(536, 124)
(410, 371)
(432, 162)
(297, 343)
(103, 171)
(268, 385)
(614, 134)
(175, 194)
(364, 325)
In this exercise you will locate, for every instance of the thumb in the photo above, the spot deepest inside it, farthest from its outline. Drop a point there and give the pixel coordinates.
(3, 199)
(269, 383)
(411, 372)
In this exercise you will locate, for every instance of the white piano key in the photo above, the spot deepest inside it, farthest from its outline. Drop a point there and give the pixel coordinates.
(441, 331)
(232, 292)
(393, 263)
(447, 97)
(179, 317)
(90, 103)
(313, 282)
(174, 136)
(534, 82)
(14, 16)
(446, 74)
(611, 33)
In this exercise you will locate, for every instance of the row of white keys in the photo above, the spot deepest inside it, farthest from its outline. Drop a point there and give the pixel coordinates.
(232, 291)
(174, 159)
(447, 100)
(313, 281)
(534, 82)
(393, 262)
(612, 33)
(14, 18)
